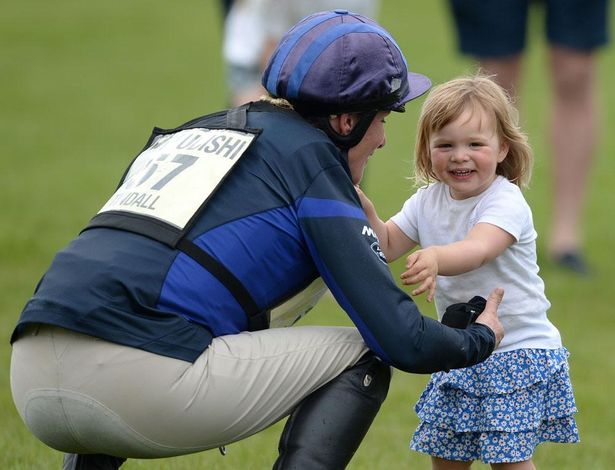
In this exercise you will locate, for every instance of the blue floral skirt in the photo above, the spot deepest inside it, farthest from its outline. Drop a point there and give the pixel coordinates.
(498, 411)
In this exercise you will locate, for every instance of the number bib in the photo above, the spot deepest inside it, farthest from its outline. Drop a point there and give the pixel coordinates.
(174, 177)
(169, 183)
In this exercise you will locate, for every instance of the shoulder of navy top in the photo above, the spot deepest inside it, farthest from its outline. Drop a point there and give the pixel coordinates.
(132, 290)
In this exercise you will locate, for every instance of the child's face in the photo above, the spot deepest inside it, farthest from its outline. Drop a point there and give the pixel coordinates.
(465, 153)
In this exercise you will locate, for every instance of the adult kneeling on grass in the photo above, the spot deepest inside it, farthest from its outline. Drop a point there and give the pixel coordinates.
(161, 330)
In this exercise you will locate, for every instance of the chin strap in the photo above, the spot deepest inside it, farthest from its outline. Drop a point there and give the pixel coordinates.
(346, 142)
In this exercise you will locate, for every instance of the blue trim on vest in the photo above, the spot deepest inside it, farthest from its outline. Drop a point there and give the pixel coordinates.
(312, 207)
(287, 46)
(193, 292)
(267, 275)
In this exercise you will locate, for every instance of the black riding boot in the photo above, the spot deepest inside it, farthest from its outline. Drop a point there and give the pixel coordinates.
(326, 428)
(92, 462)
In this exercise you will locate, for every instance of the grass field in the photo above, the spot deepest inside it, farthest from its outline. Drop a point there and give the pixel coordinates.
(83, 83)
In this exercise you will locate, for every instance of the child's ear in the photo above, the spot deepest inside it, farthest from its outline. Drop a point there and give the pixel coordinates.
(504, 147)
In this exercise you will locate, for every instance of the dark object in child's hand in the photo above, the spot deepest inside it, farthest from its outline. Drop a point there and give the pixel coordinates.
(461, 315)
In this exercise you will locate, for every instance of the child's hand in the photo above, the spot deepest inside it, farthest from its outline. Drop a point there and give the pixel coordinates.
(422, 268)
(365, 201)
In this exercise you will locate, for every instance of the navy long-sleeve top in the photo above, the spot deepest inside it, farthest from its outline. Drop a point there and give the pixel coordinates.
(286, 214)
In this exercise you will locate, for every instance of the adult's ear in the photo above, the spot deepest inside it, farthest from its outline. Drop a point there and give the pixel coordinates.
(343, 123)
(346, 130)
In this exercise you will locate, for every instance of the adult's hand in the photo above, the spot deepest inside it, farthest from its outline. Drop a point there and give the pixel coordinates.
(489, 316)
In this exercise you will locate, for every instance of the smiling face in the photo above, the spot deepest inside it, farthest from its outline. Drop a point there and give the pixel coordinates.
(466, 151)
(373, 139)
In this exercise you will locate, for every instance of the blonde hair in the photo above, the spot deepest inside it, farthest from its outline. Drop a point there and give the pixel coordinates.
(279, 102)
(448, 101)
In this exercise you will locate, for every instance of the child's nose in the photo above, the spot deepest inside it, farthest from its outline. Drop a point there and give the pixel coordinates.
(459, 155)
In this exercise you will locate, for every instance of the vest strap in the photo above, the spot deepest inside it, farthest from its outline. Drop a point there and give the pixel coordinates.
(237, 118)
(257, 320)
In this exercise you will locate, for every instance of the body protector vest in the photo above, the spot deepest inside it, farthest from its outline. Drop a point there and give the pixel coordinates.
(166, 187)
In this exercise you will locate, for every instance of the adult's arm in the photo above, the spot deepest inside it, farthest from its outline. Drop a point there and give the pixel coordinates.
(346, 252)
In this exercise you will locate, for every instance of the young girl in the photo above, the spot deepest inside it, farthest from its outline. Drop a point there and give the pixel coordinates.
(475, 231)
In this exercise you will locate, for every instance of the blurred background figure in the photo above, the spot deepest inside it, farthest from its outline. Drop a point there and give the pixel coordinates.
(493, 32)
(253, 28)
(225, 7)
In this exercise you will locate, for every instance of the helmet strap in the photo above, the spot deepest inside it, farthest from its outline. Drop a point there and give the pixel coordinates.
(355, 136)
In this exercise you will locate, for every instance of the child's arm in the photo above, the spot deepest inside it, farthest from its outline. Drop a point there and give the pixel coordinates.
(393, 242)
(482, 245)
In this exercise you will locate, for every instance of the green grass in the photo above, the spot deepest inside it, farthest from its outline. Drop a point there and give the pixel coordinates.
(82, 84)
